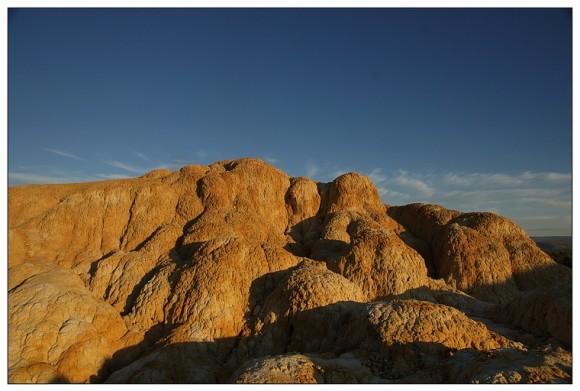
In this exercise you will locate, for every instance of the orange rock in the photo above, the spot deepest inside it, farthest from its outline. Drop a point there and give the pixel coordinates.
(236, 272)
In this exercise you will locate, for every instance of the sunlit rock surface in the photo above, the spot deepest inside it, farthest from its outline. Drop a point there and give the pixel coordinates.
(235, 272)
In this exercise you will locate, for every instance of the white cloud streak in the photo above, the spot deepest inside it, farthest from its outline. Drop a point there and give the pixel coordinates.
(487, 181)
(18, 178)
(413, 183)
(63, 153)
(311, 170)
(143, 156)
(377, 176)
(522, 197)
(126, 167)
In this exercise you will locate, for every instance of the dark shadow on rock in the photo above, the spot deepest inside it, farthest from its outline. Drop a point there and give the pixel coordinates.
(177, 363)
(543, 312)
(58, 380)
(304, 235)
(330, 250)
(534, 314)
(95, 264)
(146, 240)
(557, 247)
(129, 354)
(185, 251)
(262, 286)
(423, 249)
(130, 301)
(331, 330)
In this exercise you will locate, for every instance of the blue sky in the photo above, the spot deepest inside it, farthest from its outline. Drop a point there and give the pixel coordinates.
(468, 108)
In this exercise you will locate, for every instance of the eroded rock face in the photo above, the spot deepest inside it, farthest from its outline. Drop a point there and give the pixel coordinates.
(235, 272)
(58, 330)
(482, 254)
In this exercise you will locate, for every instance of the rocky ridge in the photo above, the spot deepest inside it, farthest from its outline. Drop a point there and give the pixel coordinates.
(235, 272)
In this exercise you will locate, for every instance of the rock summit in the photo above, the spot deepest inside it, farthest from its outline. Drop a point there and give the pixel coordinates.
(237, 273)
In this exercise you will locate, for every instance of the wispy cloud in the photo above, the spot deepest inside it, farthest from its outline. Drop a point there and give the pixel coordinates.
(63, 153)
(18, 178)
(495, 180)
(143, 156)
(414, 184)
(539, 201)
(311, 169)
(126, 167)
(377, 176)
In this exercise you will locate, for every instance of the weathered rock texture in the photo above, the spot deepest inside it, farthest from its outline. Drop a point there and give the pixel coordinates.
(235, 272)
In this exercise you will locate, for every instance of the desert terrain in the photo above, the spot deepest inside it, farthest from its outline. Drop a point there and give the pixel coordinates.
(237, 273)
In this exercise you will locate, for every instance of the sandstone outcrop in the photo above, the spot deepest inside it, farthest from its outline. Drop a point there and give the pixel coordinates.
(235, 272)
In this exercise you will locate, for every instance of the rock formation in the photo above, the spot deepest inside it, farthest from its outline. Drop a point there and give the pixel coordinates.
(235, 272)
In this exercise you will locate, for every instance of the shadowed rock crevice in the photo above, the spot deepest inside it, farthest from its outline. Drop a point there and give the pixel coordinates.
(137, 289)
(235, 272)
